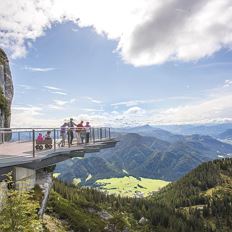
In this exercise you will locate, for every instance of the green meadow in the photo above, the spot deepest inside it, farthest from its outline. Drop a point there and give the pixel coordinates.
(131, 186)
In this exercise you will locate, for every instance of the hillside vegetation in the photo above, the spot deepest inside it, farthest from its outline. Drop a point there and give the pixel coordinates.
(200, 201)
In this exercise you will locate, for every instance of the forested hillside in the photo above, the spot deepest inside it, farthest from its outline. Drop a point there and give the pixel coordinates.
(145, 156)
(200, 201)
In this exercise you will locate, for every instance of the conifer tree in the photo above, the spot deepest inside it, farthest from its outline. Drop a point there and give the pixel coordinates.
(18, 212)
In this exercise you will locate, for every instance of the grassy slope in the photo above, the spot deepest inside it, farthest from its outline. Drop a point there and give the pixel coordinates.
(129, 186)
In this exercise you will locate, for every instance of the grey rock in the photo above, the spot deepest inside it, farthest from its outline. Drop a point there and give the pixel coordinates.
(143, 220)
(6, 85)
(105, 215)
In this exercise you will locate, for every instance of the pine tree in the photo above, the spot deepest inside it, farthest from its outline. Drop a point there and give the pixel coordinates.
(19, 211)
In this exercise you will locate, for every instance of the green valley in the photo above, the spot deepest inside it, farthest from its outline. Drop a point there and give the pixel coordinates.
(198, 202)
(130, 186)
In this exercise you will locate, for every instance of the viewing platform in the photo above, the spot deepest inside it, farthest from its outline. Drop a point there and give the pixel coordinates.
(19, 147)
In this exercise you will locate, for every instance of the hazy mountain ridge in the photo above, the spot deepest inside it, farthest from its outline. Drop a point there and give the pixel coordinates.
(226, 134)
(204, 129)
(146, 156)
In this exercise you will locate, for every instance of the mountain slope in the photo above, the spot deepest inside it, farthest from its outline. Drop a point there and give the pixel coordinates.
(200, 201)
(88, 170)
(208, 180)
(144, 156)
(150, 131)
(226, 134)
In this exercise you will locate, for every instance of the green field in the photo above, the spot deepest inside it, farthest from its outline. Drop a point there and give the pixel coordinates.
(131, 186)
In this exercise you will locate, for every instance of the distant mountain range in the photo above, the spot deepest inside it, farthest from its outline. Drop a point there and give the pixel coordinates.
(148, 130)
(150, 156)
(203, 129)
(188, 129)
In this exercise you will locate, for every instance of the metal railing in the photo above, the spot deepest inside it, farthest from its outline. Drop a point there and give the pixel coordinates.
(52, 138)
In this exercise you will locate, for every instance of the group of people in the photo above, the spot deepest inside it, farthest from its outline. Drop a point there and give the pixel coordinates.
(70, 129)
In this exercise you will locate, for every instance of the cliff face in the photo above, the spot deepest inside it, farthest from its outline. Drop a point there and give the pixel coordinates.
(6, 90)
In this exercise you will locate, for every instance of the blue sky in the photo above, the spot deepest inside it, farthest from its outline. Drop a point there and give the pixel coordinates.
(74, 69)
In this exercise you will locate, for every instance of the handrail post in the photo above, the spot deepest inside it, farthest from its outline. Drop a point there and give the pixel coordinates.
(100, 133)
(109, 133)
(29, 135)
(54, 135)
(3, 136)
(18, 136)
(33, 142)
(93, 135)
(105, 132)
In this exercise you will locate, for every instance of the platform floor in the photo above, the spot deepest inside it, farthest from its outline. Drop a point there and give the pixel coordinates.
(21, 152)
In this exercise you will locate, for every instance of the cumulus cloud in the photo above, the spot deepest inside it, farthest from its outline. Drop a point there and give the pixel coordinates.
(206, 111)
(135, 111)
(147, 31)
(215, 106)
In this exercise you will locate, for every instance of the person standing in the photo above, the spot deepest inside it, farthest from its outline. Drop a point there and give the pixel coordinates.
(87, 131)
(79, 130)
(71, 125)
(63, 134)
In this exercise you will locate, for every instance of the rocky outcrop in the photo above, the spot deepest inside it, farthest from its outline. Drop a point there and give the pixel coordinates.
(6, 90)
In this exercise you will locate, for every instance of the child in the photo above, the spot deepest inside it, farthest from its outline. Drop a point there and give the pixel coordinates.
(40, 138)
(48, 135)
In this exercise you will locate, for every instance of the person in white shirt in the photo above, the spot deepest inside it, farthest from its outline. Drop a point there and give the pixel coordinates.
(87, 131)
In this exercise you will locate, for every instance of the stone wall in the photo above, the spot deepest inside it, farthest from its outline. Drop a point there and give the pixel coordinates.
(7, 90)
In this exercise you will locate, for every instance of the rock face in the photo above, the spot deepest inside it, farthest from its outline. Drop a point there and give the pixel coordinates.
(6, 90)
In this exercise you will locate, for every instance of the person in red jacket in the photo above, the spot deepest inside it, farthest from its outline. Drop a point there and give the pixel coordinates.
(79, 130)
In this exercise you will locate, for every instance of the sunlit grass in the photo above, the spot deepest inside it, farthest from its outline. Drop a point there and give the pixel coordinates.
(131, 186)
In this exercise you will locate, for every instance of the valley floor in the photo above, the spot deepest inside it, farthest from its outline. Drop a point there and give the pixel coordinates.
(130, 186)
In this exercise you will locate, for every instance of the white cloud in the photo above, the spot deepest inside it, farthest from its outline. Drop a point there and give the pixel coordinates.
(92, 110)
(33, 69)
(33, 110)
(133, 102)
(60, 102)
(60, 93)
(209, 110)
(51, 87)
(147, 31)
(228, 83)
(93, 100)
(25, 87)
(135, 111)
(55, 90)
(214, 106)
(32, 116)
(151, 101)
